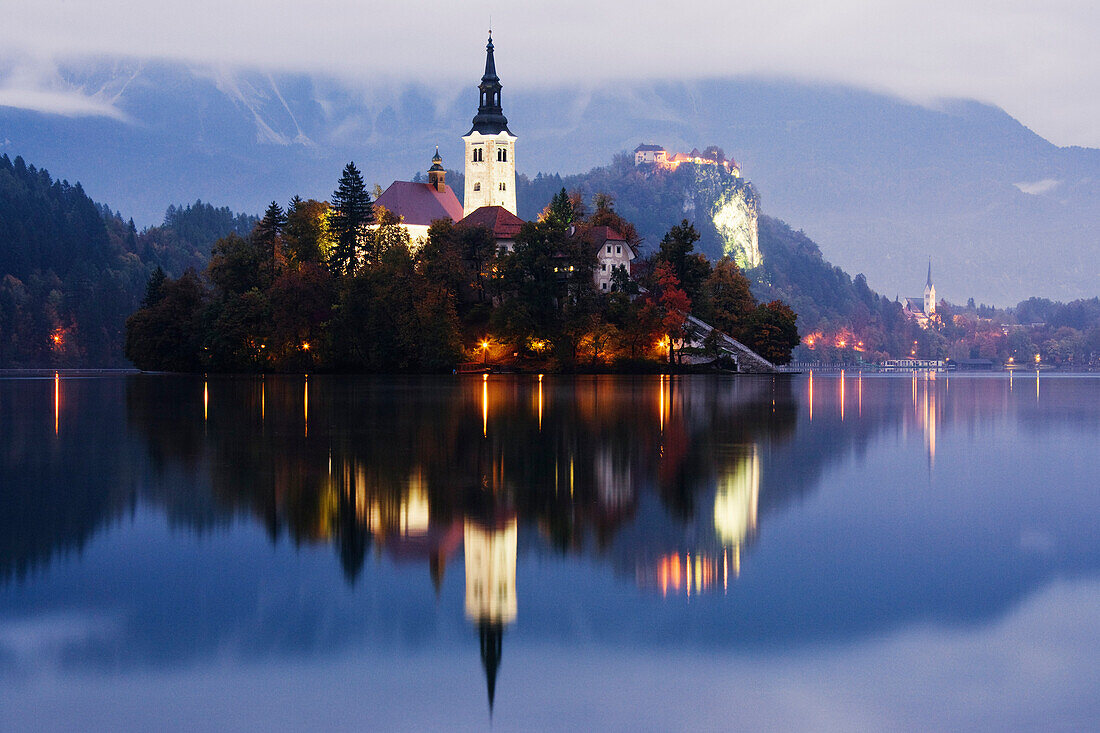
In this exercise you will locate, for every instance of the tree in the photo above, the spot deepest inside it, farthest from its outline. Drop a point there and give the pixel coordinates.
(268, 237)
(673, 306)
(306, 234)
(167, 335)
(560, 210)
(236, 265)
(677, 249)
(606, 216)
(731, 299)
(352, 212)
(772, 332)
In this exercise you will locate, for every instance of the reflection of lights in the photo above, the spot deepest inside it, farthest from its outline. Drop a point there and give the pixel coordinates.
(691, 574)
(811, 400)
(859, 391)
(305, 406)
(842, 395)
(540, 403)
(205, 400)
(56, 402)
(484, 405)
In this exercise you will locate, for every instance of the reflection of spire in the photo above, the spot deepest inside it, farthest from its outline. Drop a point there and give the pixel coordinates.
(491, 589)
(438, 566)
(492, 642)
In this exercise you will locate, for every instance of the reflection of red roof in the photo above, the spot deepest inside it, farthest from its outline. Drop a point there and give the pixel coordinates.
(420, 203)
(497, 219)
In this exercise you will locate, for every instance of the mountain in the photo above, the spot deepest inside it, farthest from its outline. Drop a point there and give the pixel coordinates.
(881, 184)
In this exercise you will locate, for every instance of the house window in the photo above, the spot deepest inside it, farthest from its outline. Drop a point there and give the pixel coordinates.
(603, 286)
(604, 267)
(618, 249)
(609, 249)
(477, 186)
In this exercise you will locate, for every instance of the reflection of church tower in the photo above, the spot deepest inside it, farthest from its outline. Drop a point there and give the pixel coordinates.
(490, 148)
(491, 589)
(929, 293)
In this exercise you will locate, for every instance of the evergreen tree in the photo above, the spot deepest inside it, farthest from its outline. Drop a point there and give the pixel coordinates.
(351, 213)
(268, 236)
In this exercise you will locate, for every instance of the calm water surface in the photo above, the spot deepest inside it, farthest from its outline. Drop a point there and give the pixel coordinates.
(616, 553)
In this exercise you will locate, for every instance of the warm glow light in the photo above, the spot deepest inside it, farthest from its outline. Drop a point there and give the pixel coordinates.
(56, 402)
(540, 403)
(811, 400)
(305, 407)
(484, 405)
(205, 400)
(842, 395)
(305, 346)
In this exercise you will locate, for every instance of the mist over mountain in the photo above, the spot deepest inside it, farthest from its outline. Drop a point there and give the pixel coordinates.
(879, 183)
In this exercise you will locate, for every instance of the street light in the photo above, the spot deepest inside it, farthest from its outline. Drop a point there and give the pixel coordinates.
(485, 352)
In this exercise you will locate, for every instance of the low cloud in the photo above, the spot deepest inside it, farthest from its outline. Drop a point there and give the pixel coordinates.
(67, 103)
(1038, 188)
(1038, 61)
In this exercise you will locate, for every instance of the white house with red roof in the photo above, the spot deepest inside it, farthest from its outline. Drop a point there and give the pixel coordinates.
(612, 250)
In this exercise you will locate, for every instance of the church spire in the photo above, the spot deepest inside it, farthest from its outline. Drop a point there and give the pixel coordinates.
(928, 284)
(490, 119)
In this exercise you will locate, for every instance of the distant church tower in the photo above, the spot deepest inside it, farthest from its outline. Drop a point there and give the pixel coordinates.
(490, 148)
(929, 293)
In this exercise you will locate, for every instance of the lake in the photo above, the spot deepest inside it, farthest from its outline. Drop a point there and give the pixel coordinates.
(836, 552)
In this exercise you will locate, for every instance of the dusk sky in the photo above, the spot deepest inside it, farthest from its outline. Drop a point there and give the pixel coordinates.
(1038, 61)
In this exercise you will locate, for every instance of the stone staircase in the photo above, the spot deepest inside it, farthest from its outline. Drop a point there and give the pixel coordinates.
(748, 361)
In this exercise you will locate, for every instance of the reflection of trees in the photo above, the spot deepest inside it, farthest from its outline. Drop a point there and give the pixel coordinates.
(58, 488)
(377, 450)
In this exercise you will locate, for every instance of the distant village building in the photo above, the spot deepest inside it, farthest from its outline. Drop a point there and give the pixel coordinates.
(922, 310)
(647, 154)
(419, 204)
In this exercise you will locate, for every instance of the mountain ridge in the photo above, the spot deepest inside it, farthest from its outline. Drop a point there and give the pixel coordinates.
(880, 183)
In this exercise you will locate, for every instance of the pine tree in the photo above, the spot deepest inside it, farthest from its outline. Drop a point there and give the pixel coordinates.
(351, 213)
(267, 236)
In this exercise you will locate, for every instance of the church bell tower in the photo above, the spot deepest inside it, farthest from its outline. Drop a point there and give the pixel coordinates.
(929, 293)
(490, 148)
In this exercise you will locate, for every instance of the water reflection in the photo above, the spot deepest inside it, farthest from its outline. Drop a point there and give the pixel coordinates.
(671, 486)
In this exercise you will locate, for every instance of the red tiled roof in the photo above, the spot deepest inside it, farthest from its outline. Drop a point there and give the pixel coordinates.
(420, 203)
(497, 219)
(602, 234)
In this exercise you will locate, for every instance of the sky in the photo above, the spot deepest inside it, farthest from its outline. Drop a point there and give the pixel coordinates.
(1039, 61)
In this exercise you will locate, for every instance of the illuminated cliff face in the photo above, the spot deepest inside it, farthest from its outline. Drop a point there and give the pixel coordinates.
(731, 204)
(734, 215)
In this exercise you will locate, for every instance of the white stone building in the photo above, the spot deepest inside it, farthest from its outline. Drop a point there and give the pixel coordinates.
(490, 148)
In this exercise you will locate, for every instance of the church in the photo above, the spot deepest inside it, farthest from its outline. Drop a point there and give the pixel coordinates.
(922, 310)
(489, 196)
